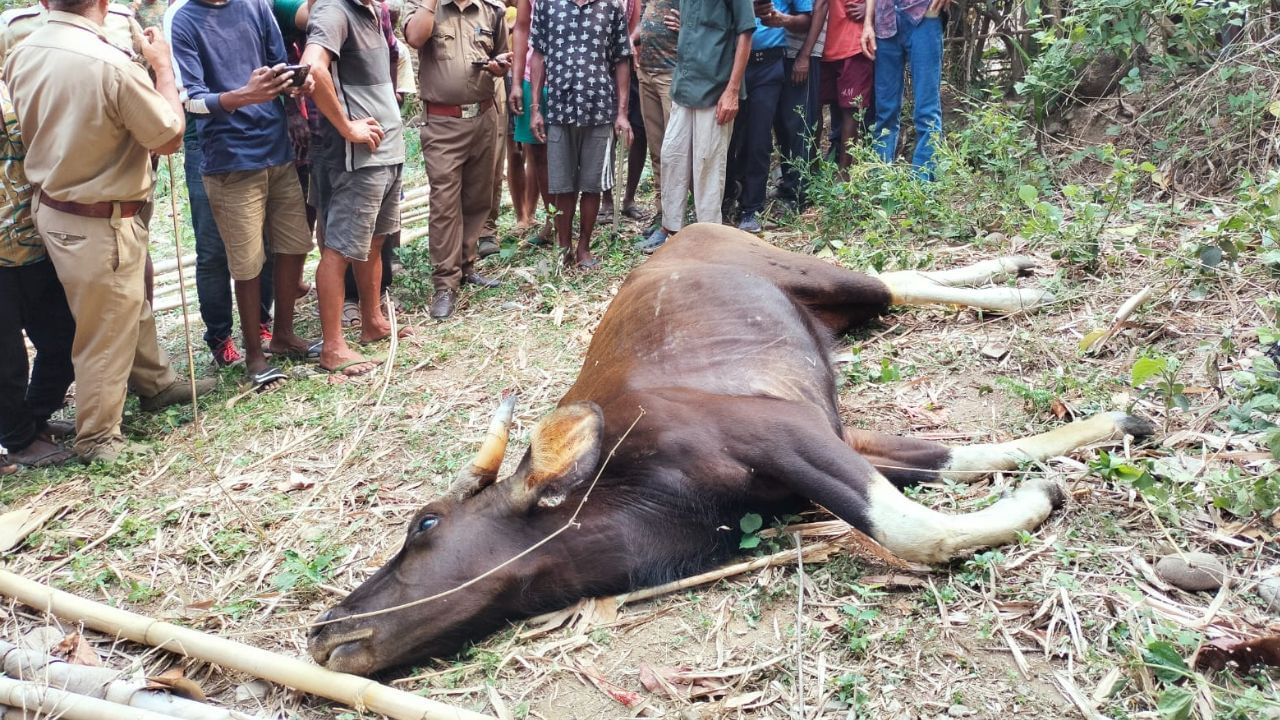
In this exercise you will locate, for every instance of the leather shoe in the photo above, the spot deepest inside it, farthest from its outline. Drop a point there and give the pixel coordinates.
(475, 278)
(443, 303)
(488, 245)
(177, 393)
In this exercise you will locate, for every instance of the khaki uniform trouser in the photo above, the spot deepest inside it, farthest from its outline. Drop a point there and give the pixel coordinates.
(459, 154)
(100, 263)
(499, 158)
(655, 108)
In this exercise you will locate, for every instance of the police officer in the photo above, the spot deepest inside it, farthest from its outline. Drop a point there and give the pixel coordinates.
(462, 49)
(120, 26)
(91, 118)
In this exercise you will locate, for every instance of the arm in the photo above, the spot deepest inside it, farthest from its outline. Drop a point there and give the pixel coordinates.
(869, 30)
(301, 17)
(622, 81)
(800, 70)
(727, 108)
(157, 53)
(800, 22)
(537, 73)
(365, 131)
(524, 19)
(420, 23)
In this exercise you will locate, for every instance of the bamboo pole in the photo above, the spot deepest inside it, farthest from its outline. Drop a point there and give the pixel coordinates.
(168, 265)
(105, 683)
(23, 697)
(357, 692)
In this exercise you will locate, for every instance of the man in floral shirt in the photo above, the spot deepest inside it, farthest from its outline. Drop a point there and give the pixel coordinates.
(581, 53)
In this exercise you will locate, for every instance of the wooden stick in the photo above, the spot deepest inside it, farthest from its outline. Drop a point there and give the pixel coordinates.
(105, 683)
(357, 692)
(182, 290)
(23, 697)
(1122, 314)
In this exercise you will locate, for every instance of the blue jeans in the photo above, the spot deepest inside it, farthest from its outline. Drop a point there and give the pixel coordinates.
(213, 280)
(752, 146)
(921, 46)
(795, 126)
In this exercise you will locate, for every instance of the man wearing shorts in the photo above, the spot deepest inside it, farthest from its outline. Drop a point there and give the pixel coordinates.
(230, 59)
(847, 72)
(582, 53)
(362, 146)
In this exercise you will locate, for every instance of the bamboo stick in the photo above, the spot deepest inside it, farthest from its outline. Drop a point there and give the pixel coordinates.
(169, 302)
(105, 683)
(357, 692)
(171, 264)
(23, 697)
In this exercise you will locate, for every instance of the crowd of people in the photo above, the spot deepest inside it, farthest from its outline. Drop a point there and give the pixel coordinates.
(290, 116)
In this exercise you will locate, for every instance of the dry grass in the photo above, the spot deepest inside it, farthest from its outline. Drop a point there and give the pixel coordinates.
(253, 521)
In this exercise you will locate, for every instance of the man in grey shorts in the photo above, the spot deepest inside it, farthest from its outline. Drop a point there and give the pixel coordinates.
(581, 54)
(361, 154)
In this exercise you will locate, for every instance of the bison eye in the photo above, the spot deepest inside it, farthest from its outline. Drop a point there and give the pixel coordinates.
(427, 522)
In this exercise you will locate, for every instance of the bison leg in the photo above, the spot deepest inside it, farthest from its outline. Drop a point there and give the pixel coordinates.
(907, 461)
(956, 287)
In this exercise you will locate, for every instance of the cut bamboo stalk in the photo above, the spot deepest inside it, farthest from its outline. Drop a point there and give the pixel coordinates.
(107, 684)
(169, 302)
(357, 692)
(169, 265)
(23, 697)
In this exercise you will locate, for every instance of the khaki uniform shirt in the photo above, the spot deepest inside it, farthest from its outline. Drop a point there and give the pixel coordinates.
(461, 36)
(89, 115)
(121, 28)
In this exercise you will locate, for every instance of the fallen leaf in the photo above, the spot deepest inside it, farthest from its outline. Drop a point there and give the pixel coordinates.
(76, 651)
(200, 605)
(1058, 409)
(1244, 654)
(16, 525)
(175, 680)
(738, 701)
(296, 481)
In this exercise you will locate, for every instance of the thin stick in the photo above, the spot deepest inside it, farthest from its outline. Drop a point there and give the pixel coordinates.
(799, 625)
(357, 692)
(182, 290)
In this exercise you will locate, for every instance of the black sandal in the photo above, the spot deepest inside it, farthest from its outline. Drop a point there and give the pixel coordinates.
(267, 379)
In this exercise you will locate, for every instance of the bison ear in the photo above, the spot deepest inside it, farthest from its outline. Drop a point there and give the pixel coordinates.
(562, 454)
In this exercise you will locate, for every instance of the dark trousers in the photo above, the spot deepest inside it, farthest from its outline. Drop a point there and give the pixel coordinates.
(31, 299)
(752, 146)
(213, 279)
(795, 126)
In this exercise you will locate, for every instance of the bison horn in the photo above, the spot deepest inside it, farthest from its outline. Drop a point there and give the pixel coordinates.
(483, 471)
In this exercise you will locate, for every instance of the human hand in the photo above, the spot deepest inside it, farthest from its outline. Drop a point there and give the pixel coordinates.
(515, 98)
(498, 65)
(155, 49)
(855, 10)
(869, 40)
(672, 21)
(800, 70)
(308, 85)
(265, 84)
(537, 125)
(773, 19)
(365, 131)
(622, 126)
(727, 107)
(936, 7)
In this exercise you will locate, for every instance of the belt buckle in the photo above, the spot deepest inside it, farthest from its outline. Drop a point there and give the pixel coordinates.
(470, 111)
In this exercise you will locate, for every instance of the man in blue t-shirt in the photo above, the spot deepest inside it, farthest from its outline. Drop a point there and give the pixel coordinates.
(752, 145)
(229, 59)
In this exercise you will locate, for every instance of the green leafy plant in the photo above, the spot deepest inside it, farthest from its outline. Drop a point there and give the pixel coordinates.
(750, 525)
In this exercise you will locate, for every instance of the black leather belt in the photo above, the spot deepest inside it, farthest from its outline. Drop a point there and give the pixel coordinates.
(767, 56)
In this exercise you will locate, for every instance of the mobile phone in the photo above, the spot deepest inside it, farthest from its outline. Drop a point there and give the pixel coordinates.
(299, 74)
(480, 63)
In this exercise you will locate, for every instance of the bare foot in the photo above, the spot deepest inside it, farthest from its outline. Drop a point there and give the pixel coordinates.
(293, 346)
(348, 362)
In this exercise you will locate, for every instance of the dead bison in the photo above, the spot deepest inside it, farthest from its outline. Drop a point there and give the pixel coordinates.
(707, 393)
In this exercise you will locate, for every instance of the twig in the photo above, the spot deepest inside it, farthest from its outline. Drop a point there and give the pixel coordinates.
(182, 291)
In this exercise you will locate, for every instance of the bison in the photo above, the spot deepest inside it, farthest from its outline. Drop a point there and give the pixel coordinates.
(707, 392)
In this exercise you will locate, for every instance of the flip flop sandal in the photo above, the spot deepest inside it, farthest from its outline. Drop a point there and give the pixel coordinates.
(350, 314)
(376, 361)
(633, 212)
(405, 331)
(591, 264)
(268, 379)
(311, 353)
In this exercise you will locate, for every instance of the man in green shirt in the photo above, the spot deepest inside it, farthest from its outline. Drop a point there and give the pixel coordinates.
(711, 58)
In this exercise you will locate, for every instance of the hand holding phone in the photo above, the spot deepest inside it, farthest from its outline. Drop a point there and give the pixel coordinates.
(299, 74)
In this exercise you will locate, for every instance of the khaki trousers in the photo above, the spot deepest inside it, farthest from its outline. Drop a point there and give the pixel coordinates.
(459, 154)
(694, 151)
(655, 108)
(499, 159)
(100, 264)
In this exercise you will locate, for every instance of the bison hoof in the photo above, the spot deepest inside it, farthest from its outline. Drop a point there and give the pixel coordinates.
(1051, 489)
(1133, 425)
(1018, 265)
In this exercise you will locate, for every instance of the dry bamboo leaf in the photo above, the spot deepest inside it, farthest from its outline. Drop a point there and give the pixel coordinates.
(175, 680)
(742, 700)
(76, 651)
(16, 525)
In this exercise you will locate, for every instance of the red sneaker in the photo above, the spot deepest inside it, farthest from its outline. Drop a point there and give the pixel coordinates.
(226, 353)
(264, 332)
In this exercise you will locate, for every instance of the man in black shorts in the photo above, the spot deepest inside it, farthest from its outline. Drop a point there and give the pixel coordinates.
(581, 54)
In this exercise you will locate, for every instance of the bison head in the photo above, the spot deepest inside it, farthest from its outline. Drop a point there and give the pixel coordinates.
(463, 569)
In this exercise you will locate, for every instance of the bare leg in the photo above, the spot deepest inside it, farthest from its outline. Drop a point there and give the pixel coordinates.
(516, 182)
(373, 324)
(565, 204)
(288, 281)
(329, 287)
(248, 303)
(590, 211)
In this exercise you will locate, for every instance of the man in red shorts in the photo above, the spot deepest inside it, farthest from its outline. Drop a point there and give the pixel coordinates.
(847, 73)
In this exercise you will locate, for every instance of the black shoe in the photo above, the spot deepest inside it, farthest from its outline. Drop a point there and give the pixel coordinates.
(475, 278)
(443, 303)
(487, 246)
